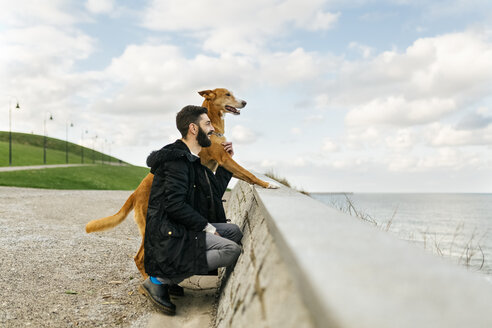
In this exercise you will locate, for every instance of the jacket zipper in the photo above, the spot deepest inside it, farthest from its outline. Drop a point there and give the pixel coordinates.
(212, 205)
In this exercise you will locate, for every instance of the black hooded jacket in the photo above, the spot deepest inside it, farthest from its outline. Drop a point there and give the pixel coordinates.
(182, 201)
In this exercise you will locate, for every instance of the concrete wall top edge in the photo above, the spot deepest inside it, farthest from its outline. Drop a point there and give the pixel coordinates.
(364, 277)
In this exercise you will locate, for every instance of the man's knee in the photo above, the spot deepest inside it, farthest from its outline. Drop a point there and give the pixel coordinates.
(236, 233)
(234, 251)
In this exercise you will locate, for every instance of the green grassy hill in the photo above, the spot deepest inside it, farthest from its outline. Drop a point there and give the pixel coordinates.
(27, 149)
(99, 177)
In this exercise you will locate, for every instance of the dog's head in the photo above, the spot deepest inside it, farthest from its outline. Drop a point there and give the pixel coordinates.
(224, 100)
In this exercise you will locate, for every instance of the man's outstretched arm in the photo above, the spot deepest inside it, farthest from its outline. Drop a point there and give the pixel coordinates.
(222, 175)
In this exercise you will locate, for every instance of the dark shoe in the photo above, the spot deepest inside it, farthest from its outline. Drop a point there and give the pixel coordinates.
(159, 295)
(176, 290)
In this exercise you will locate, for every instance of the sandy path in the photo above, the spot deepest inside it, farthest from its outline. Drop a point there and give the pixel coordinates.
(53, 274)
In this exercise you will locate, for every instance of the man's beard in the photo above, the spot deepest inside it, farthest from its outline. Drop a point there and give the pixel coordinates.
(202, 138)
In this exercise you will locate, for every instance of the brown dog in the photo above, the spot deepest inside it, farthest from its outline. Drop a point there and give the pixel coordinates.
(218, 102)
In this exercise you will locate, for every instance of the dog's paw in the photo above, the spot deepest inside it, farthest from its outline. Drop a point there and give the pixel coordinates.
(272, 185)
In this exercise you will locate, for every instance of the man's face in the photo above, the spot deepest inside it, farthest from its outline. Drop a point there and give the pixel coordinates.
(205, 129)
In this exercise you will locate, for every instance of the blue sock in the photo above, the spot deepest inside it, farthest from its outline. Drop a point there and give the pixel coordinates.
(154, 280)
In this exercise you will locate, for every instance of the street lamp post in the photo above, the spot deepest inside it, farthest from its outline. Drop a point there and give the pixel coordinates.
(44, 142)
(10, 125)
(66, 141)
(10, 130)
(102, 153)
(93, 150)
(82, 146)
(110, 143)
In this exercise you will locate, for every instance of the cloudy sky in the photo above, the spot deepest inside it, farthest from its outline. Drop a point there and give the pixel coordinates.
(363, 96)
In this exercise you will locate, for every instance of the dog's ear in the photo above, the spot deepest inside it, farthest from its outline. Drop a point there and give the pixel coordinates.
(207, 94)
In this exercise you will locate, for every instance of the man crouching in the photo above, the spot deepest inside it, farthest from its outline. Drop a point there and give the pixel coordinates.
(186, 231)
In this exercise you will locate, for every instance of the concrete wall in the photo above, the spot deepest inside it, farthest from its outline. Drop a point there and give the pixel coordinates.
(307, 265)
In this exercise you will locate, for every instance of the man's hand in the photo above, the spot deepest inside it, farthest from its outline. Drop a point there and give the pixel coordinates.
(216, 233)
(228, 148)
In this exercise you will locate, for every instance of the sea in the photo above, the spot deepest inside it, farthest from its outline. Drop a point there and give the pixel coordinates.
(457, 227)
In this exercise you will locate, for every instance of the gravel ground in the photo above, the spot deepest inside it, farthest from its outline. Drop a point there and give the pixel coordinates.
(53, 274)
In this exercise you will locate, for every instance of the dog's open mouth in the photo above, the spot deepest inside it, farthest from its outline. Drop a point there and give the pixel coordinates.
(232, 110)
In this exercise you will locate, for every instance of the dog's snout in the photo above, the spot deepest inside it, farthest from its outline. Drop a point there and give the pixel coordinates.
(243, 103)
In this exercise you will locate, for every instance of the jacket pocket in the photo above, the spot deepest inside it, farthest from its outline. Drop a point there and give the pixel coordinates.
(170, 230)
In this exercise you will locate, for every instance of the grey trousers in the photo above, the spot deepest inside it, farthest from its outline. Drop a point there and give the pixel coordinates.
(221, 251)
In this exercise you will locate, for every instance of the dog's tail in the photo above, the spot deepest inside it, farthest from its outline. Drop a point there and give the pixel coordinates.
(113, 220)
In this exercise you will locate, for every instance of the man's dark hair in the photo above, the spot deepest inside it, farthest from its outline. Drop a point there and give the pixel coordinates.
(188, 114)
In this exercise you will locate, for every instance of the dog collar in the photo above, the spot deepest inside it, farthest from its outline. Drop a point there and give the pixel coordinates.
(220, 135)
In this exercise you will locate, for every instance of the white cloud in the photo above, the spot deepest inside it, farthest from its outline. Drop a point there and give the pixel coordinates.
(444, 158)
(264, 15)
(321, 101)
(401, 105)
(34, 46)
(400, 111)
(243, 135)
(21, 13)
(481, 118)
(295, 131)
(404, 140)
(329, 146)
(299, 162)
(460, 64)
(444, 136)
(451, 67)
(361, 137)
(100, 6)
(286, 68)
(158, 78)
(313, 118)
(341, 164)
(39, 50)
(364, 50)
(268, 164)
(349, 163)
(321, 21)
(219, 26)
(401, 163)
(484, 111)
(456, 9)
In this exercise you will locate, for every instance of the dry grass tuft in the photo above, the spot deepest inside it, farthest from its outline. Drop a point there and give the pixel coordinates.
(272, 175)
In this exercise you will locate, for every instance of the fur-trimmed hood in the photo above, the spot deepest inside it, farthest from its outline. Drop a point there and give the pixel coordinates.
(170, 152)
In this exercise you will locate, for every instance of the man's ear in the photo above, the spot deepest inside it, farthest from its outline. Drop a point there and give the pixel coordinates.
(207, 94)
(191, 128)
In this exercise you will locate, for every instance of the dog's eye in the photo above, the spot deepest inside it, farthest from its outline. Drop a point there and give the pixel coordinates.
(228, 94)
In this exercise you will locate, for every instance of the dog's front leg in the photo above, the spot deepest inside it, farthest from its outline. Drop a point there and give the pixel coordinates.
(216, 151)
